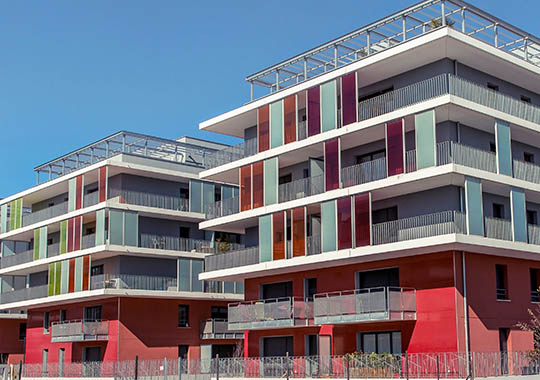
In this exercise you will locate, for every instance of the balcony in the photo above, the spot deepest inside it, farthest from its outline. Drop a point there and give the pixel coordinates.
(271, 313)
(219, 329)
(496, 228)
(79, 331)
(141, 198)
(173, 243)
(136, 282)
(365, 305)
(24, 294)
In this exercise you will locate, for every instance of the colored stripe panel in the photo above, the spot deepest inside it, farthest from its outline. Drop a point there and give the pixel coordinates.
(394, 147)
(71, 280)
(50, 291)
(3, 218)
(79, 189)
(131, 228)
(37, 241)
(519, 214)
(314, 111)
(100, 227)
(64, 279)
(362, 220)
(424, 127)
(344, 223)
(473, 205)
(71, 235)
(263, 127)
(278, 231)
(195, 196)
(57, 277)
(42, 251)
(299, 231)
(331, 164)
(289, 109)
(86, 273)
(78, 273)
(329, 106)
(15, 214)
(116, 227)
(103, 180)
(245, 188)
(258, 184)
(265, 238)
(77, 233)
(63, 236)
(504, 148)
(271, 179)
(72, 190)
(276, 124)
(328, 226)
(348, 99)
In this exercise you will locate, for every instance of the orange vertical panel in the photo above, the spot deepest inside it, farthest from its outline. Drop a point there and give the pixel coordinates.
(86, 272)
(258, 184)
(299, 232)
(102, 184)
(77, 233)
(289, 113)
(70, 235)
(278, 227)
(71, 281)
(263, 127)
(78, 192)
(245, 188)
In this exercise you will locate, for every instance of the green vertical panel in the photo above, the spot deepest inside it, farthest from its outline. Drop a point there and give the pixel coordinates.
(271, 181)
(131, 228)
(276, 124)
(78, 273)
(195, 196)
(424, 127)
(43, 234)
(473, 204)
(12, 215)
(184, 274)
(3, 218)
(209, 195)
(57, 277)
(37, 242)
(100, 227)
(63, 236)
(72, 189)
(265, 238)
(51, 280)
(196, 269)
(504, 149)
(329, 226)
(328, 106)
(116, 227)
(64, 279)
(519, 214)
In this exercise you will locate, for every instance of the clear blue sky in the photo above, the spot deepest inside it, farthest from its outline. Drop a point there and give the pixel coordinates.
(72, 72)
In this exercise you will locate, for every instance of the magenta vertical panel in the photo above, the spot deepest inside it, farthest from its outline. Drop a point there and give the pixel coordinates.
(361, 220)
(344, 223)
(394, 146)
(348, 98)
(331, 164)
(314, 111)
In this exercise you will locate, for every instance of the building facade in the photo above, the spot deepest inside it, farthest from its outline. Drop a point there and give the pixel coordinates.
(389, 190)
(104, 256)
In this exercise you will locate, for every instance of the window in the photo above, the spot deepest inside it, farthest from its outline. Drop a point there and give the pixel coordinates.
(310, 288)
(492, 147)
(183, 316)
(218, 312)
(528, 157)
(375, 94)
(503, 347)
(380, 342)
(385, 215)
(305, 173)
(49, 241)
(182, 351)
(217, 195)
(50, 204)
(4, 358)
(22, 331)
(498, 211)
(92, 313)
(534, 275)
(525, 99)
(285, 179)
(93, 190)
(492, 86)
(46, 322)
(501, 281)
(532, 217)
(184, 232)
(97, 270)
(184, 193)
(370, 156)
(277, 290)
(90, 231)
(378, 278)
(62, 315)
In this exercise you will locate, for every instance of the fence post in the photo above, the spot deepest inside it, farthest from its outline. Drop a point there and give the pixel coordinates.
(347, 363)
(20, 369)
(286, 364)
(217, 367)
(407, 364)
(179, 368)
(136, 367)
(165, 369)
(438, 376)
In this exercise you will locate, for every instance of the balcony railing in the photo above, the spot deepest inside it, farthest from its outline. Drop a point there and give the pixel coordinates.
(233, 259)
(526, 171)
(313, 245)
(137, 282)
(301, 188)
(270, 313)
(225, 207)
(79, 331)
(24, 294)
(534, 234)
(422, 226)
(453, 152)
(141, 198)
(187, 245)
(365, 305)
(219, 329)
(496, 228)
(364, 172)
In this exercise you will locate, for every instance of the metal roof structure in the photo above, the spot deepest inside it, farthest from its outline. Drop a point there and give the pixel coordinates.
(395, 29)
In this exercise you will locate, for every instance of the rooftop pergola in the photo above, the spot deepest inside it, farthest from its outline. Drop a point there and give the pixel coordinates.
(402, 26)
(124, 143)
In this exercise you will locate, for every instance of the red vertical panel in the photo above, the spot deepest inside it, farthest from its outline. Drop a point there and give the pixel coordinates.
(331, 164)
(258, 184)
(289, 110)
(245, 188)
(298, 232)
(71, 282)
(77, 229)
(278, 226)
(361, 220)
(394, 146)
(263, 127)
(314, 111)
(86, 272)
(344, 223)
(102, 184)
(70, 236)
(348, 98)
(78, 192)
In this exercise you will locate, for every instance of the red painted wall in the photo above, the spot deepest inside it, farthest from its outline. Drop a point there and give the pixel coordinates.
(9, 338)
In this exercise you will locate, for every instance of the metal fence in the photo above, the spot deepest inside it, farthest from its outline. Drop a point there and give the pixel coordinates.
(496, 228)
(450, 365)
(526, 171)
(364, 172)
(130, 281)
(174, 243)
(219, 329)
(78, 330)
(534, 234)
(224, 207)
(301, 188)
(233, 259)
(24, 294)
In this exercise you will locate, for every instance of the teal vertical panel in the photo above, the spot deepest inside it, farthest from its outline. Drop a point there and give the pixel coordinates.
(276, 124)
(329, 226)
(78, 273)
(3, 218)
(209, 195)
(473, 204)
(184, 274)
(519, 214)
(226, 192)
(504, 149)
(100, 227)
(271, 181)
(236, 191)
(196, 269)
(265, 238)
(64, 280)
(424, 127)
(210, 236)
(131, 228)
(328, 106)
(43, 242)
(72, 190)
(195, 196)
(116, 227)
(7, 248)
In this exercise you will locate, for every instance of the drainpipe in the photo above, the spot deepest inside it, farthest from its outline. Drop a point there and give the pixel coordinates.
(466, 312)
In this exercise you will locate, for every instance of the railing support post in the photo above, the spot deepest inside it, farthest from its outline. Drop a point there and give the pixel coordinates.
(286, 363)
(136, 367)
(407, 364)
(165, 369)
(20, 369)
(217, 367)
(347, 363)
(438, 376)
(179, 368)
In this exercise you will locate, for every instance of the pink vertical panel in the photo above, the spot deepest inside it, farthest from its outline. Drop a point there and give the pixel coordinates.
(70, 235)
(314, 111)
(394, 147)
(102, 184)
(71, 281)
(331, 164)
(86, 272)
(344, 223)
(361, 220)
(78, 192)
(77, 229)
(348, 98)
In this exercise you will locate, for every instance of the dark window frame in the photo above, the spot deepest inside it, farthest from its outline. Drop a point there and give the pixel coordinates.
(501, 282)
(183, 316)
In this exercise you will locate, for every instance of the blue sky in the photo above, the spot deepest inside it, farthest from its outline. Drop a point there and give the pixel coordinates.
(72, 72)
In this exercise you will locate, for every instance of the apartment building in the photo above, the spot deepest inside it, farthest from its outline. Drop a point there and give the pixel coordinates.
(103, 255)
(389, 190)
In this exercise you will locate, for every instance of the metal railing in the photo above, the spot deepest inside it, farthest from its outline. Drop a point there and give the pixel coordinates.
(130, 281)
(365, 305)
(77, 331)
(24, 294)
(496, 228)
(46, 213)
(270, 313)
(224, 207)
(300, 188)
(232, 259)
(141, 198)
(313, 245)
(219, 329)
(422, 226)
(534, 234)
(364, 172)
(526, 171)
(452, 152)
(233, 153)
(174, 243)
